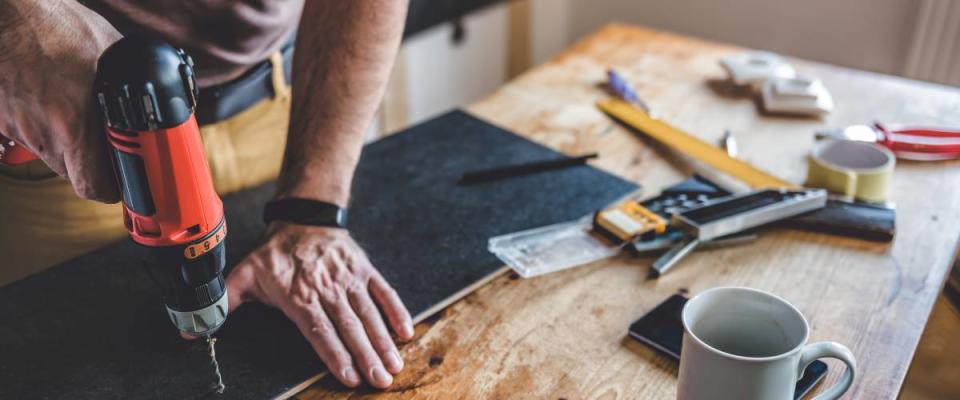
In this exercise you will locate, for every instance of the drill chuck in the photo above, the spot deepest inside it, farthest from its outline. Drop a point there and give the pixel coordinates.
(192, 282)
(147, 96)
(202, 322)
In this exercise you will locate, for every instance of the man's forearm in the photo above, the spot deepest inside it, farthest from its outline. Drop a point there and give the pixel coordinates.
(344, 54)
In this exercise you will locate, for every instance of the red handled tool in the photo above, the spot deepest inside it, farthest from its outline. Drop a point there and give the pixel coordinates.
(910, 143)
(147, 94)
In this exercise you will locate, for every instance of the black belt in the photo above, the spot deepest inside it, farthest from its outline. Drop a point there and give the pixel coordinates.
(217, 103)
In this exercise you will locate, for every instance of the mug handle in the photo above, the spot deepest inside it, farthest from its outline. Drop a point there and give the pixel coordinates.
(835, 350)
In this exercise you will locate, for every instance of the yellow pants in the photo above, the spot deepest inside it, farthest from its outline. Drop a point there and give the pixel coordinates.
(42, 221)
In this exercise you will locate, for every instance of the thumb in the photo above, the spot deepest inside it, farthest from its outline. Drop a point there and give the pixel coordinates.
(242, 285)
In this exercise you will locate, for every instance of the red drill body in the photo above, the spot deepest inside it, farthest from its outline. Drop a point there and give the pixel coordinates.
(147, 96)
(168, 193)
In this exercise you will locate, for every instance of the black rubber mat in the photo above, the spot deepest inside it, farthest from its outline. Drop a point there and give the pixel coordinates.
(94, 327)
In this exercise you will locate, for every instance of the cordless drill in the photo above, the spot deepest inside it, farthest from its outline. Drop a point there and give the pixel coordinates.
(147, 96)
(147, 93)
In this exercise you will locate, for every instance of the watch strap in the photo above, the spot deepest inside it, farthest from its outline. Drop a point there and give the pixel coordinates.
(305, 212)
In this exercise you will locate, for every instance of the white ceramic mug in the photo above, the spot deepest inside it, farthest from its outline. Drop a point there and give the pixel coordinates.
(746, 344)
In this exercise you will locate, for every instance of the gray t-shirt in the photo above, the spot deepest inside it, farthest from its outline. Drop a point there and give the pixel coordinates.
(224, 37)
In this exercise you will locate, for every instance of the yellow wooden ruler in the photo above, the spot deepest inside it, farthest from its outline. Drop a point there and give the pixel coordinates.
(692, 146)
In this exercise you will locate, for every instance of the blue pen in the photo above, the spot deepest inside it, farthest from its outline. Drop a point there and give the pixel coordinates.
(622, 88)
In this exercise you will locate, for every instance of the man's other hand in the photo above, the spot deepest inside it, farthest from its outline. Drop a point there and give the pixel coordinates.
(321, 279)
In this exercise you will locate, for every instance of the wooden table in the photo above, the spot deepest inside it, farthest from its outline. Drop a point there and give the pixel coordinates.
(564, 335)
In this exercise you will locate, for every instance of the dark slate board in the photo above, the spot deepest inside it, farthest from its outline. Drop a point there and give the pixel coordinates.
(94, 327)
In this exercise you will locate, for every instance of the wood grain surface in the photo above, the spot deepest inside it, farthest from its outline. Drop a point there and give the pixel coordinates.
(564, 335)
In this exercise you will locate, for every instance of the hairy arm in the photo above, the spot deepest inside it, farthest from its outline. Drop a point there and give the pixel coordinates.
(48, 56)
(344, 54)
(318, 276)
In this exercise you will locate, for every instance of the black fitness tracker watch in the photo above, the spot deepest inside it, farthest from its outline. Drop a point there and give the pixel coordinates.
(305, 212)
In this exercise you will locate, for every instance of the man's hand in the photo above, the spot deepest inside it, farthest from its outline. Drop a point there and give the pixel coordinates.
(48, 57)
(321, 279)
(318, 276)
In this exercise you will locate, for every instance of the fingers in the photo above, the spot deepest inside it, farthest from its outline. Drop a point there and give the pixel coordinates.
(88, 165)
(396, 312)
(332, 297)
(90, 175)
(317, 328)
(376, 330)
(354, 336)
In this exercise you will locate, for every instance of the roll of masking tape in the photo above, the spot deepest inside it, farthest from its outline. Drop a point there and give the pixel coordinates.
(858, 170)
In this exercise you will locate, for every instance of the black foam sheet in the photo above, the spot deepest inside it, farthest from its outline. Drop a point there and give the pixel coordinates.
(94, 327)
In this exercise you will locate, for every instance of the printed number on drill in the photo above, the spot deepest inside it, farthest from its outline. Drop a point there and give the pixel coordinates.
(205, 245)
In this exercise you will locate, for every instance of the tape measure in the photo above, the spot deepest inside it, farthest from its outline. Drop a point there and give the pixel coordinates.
(627, 221)
(692, 146)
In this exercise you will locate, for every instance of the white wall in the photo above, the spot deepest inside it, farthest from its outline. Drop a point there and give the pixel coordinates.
(550, 28)
(864, 34)
(442, 75)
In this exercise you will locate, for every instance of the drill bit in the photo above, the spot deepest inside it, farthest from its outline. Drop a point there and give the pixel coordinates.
(217, 386)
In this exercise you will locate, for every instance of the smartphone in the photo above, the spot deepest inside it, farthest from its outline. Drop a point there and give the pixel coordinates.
(662, 329)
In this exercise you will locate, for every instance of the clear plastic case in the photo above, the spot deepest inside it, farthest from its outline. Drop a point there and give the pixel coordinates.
(552, 248)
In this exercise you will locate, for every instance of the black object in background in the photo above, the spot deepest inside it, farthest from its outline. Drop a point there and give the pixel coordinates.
(691, 193)
(814, 373)
(425, 14)
(527, 168)
(95, 328)
(853, 219)
(662, 329)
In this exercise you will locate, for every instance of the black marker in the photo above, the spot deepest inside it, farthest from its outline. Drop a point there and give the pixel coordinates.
(523, 169)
